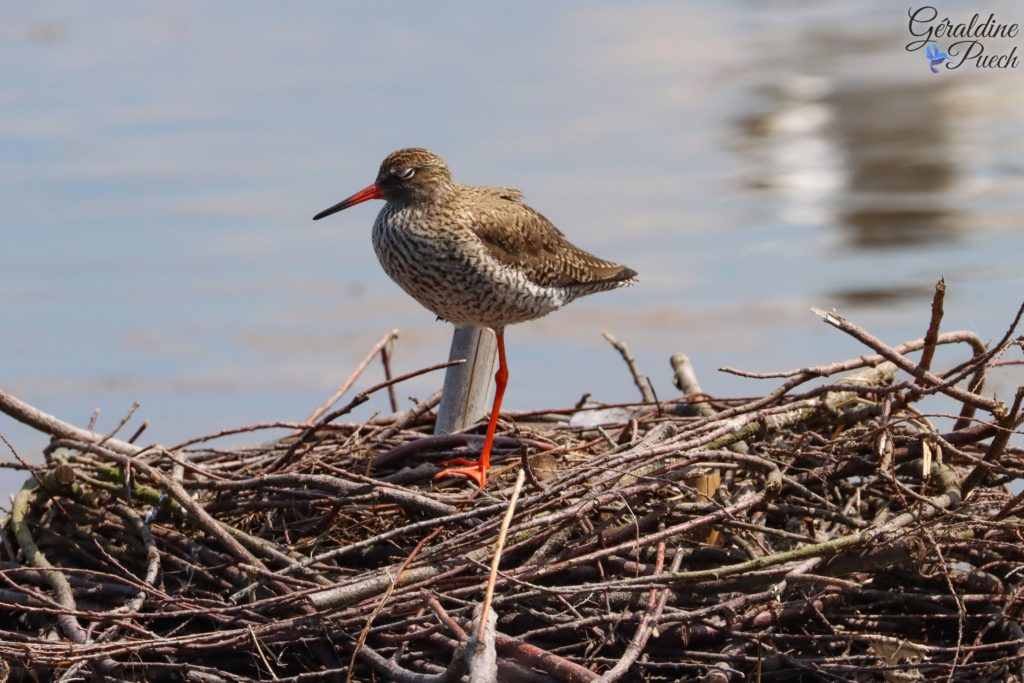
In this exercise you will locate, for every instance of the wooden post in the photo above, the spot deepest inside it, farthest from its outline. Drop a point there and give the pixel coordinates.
(467, 386)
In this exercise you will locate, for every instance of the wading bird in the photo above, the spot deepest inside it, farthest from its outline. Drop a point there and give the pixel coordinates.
(475, 255)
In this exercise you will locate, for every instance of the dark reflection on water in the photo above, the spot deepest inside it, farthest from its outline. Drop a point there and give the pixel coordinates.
(877, 177)
(896, 145)
(882, 226)
(875, 157)
(879, 296)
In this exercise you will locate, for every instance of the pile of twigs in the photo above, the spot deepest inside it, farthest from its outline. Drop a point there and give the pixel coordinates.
(829, 530)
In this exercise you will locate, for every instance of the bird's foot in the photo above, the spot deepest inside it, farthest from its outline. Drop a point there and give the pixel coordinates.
(460, 461)
(472, 470)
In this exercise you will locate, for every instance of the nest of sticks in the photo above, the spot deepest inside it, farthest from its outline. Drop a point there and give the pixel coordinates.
(832, 529)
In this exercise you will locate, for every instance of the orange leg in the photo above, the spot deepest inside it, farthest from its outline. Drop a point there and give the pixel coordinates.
(478, 471)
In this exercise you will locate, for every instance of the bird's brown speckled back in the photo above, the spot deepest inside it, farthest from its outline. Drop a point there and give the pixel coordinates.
(477, 255)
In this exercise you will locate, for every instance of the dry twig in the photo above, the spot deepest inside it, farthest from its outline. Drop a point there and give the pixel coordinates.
(836, 559)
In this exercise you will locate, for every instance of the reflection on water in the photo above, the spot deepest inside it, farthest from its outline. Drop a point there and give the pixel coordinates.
(158, 182)
(887, 295)
(852, 138)
(896, 143)
(875, 159)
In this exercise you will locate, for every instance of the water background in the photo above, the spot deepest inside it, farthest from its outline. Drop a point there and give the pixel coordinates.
(160, 163)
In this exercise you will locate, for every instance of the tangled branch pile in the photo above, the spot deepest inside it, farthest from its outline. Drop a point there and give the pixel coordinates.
(829, 530)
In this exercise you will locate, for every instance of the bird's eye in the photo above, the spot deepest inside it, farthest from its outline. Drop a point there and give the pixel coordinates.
(406, 174)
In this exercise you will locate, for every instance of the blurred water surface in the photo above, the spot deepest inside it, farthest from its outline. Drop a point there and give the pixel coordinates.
(161, 162)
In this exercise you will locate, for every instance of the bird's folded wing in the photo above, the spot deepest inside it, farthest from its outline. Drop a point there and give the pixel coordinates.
(516, 235)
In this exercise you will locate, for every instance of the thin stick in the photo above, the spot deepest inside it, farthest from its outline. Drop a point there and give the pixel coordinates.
(359, 399)
(1007, 425)
(489, 594)
(230, 431)
(932, 335)
(347, 384)
(121, 423)
(138, 432)
(909, 366)
(686, 381)
(384, 599)
(961, 336)
(44, 422)
(364, 396)
(385, 360)
(655, 605)
(263, 657)
(524, 463)
(638, 378)
(410, 416)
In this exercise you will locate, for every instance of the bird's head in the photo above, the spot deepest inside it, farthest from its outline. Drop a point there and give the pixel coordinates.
(408, 176)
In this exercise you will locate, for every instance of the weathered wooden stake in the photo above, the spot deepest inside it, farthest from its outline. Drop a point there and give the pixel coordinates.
(467, 386)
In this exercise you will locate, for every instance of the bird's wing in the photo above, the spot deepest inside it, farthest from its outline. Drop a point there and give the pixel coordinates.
(516, 235)
(505, 193)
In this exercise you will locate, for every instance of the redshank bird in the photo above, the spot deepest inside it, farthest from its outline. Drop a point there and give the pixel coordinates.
(475, 255)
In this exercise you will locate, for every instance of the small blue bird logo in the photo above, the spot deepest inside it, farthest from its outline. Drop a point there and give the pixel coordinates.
(935, 56)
